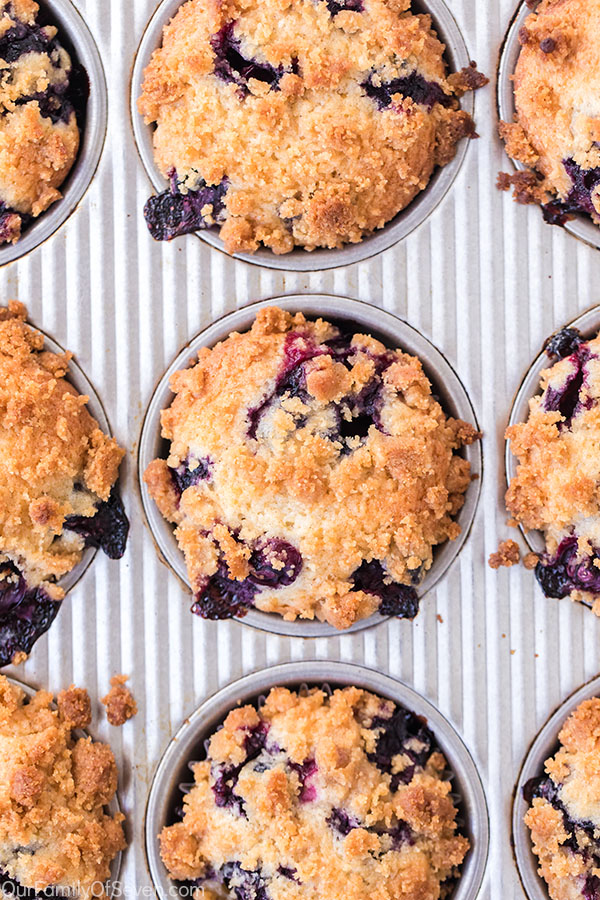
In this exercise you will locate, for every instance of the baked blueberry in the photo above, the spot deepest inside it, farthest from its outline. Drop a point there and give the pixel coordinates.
(556, 133)
(339, 112)
(310, 473)
(554, 489)
(39, 132)
(564, 813)
(58, 492)
(323, 812)
(56, 837)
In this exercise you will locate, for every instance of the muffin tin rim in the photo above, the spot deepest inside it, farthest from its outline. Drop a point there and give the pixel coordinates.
(71, 22)
(113, 807)
(588, 323)
(581, 226)
(327, 306)
(544, 745)
(413, 216)
(213, 709)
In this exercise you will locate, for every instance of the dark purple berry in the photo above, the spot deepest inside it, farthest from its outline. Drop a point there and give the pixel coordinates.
(232, 67)
(563, 343)
(548, 45)
(244, 884)
(579, 198)
(305, 771)
(23, 38)
(107, 529)
(404, 733)
(25, 613)
(565, 572)
(336, 6)
(426, 93)
(224, 597)
(275, 563)
(191, 472)
(399, 600)
(566, 399)
(342, 822)
(173, 213)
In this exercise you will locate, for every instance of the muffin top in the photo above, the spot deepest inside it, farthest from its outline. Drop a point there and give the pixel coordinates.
(54, 832)
(57, 470)
(557, 129)
(297, 122)
(555, 487)
(316, 795)
(310, 473)
(39, 135)
(564, 816)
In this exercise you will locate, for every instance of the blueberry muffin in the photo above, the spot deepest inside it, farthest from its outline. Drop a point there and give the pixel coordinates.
(564, 814)
(39, 134)
(57, 477)
(557, 129)
(55, 836)
(313, 792)
(310, 473)
(555, 487)
(306, 123)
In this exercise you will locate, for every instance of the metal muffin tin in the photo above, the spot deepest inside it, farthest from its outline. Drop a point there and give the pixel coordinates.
(581, 226)
(113, 807)
(544, 746)
(457, 57)
(82, 385)
(391, 331)
(589, 326)
(75, 35)
(187, 746)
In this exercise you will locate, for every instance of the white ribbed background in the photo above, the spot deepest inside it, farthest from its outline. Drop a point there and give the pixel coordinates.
(483, 278)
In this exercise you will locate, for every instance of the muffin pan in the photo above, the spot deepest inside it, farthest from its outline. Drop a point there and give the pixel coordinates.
(187, 746)
(457, 57)
(75, 35)
(391, 331)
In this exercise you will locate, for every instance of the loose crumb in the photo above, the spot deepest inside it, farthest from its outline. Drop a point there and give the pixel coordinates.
(530, 560)
(439, 618)
(74, 707)
(508, 554)
(119, 702)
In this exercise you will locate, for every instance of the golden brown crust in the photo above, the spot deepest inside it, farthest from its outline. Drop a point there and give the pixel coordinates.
(36, 152)
(389, 495)
(53, 829)
(508, 554)
(119, 702)
(74, 707)
(54, 459)
(317, 162)
(557, 74)
(344, 829)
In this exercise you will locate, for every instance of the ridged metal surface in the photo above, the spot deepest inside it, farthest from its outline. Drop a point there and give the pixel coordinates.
(483, 278)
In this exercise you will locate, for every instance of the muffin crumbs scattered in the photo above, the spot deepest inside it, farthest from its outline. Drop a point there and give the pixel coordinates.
(119, 702)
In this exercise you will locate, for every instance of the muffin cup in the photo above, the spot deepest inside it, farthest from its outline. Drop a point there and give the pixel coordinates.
(399, 227)
(80, 382)
(75, 35)
(544, 746)
(588, 324)
(393, 332)
(187, 746)
(113, 807)
(581, 226)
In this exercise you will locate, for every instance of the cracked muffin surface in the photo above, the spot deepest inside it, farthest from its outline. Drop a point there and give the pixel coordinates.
(556, 133)
(555, 486)
(297, 122)
(54, 786)
(310, 473)
(39, 133)
(318, 795)
(564, 813)
(57, 476)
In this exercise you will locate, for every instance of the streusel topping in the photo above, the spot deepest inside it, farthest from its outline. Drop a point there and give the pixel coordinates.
(564, 817)
(39, 134)
(298, 122)
(57, 471)
(322, 796)
(555, 487)
(54, 831)
(310, 473)
(557, 129)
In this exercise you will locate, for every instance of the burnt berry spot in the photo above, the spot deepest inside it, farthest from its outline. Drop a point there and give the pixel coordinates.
(25, 613)
(173, 213)
(396, 599)
(426, 93)
(565, 572)
(107, 529)
(548, 45)
(404, 733)
(563, 343)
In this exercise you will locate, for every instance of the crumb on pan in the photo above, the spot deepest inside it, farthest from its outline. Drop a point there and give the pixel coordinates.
(74, 707)
(119, 702)
(508, 554)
